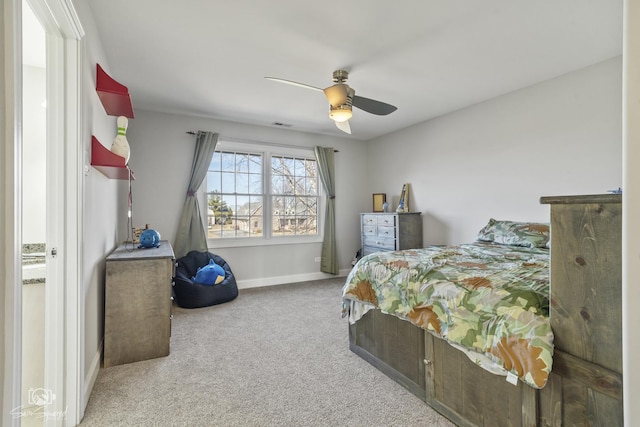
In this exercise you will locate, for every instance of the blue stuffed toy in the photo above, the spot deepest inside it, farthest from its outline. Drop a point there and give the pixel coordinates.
(149, 238)
(210, 274)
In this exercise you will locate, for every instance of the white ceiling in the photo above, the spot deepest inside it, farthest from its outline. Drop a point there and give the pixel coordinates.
(427, 57)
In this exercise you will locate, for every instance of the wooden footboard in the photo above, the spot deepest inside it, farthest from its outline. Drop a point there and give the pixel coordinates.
(578, 392)
(581, 393)
(585, 310)
(470, 395)
(393, 346)
(441, 375)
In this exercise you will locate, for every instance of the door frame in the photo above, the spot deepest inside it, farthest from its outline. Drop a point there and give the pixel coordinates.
(64, 314)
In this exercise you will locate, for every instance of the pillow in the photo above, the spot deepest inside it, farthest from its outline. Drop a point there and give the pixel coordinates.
(210, 274)
(529, 234)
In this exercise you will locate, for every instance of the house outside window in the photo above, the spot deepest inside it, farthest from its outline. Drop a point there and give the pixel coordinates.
(261, 194)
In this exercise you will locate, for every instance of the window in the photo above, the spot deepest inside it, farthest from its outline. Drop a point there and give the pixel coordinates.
(256, 193)
(294, 196)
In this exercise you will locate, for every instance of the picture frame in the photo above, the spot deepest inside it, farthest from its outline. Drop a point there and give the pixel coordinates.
(403, 205)
(378, 200)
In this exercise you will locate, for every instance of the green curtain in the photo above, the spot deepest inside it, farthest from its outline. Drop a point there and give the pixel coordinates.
(326, 170)
(191, 235)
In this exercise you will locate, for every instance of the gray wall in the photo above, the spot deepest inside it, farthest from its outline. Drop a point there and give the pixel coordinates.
(101, 196)
(497, 158)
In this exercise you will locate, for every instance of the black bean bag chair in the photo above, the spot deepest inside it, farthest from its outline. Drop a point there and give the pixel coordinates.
(190, 294)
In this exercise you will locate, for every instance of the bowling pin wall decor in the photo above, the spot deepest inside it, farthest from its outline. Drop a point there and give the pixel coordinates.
(120, 144)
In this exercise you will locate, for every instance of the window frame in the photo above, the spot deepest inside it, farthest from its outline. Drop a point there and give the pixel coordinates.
(267, 150)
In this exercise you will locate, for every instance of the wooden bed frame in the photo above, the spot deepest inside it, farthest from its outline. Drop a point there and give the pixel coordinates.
(585, 385)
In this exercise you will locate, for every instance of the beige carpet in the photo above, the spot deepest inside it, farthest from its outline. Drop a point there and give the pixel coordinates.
(275, 356)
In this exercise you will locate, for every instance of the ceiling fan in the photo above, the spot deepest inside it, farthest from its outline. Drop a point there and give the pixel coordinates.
(341, 98)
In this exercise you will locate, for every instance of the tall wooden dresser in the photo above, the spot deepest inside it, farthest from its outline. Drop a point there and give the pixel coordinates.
(382, 231)
(586, 296)
(137, 323)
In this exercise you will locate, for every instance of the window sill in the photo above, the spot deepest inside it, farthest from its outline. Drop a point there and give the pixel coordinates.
(274, 241)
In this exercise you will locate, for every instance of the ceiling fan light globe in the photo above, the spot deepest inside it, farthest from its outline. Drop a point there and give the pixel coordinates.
(340, 114)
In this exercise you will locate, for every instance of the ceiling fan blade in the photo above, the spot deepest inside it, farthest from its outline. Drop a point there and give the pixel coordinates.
(372, 106)
(290, 82)
(344, 126)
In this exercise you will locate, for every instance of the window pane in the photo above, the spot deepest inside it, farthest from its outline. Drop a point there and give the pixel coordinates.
(299, 187)
(228, 163)
(287, 166)
(228, 182)
(299, 169)
(276, 168)
(310, 186)
(213, 182)
(243, 207)
(255, 164)
(218, 215)
(215, 162)
(310, 166)
(305, 206)
(242, 183)
(255, 216)
(287, 186)
(255, 184)
(277, 204)
(242, 162)
(276, 184)
(289, 206)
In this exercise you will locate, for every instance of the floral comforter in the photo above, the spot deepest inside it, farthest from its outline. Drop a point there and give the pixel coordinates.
(489, 300)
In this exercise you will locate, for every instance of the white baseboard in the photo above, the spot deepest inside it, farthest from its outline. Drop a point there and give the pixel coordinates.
(90, 379)
(281, 280)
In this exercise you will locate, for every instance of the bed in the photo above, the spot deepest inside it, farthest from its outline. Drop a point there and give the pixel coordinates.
(504, 330)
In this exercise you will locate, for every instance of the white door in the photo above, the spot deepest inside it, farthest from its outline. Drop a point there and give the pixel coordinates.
(47, 385)
(35, 398)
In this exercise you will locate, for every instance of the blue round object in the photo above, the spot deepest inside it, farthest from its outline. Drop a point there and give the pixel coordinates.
(149, 238)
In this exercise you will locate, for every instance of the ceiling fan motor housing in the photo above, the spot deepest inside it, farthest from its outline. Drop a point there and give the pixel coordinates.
(340, 76)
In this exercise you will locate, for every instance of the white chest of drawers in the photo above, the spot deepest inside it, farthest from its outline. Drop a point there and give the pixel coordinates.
(390, 231)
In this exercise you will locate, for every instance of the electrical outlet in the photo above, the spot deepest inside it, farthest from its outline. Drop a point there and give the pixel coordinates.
(317, 259)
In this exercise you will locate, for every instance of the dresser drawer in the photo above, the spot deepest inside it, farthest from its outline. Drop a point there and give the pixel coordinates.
(380, 242)
(369, 230)
(389, 232)
(369, 220)
(367, 250)
(386, 220)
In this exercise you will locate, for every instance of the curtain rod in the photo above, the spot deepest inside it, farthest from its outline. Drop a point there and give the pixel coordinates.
(273, 144)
